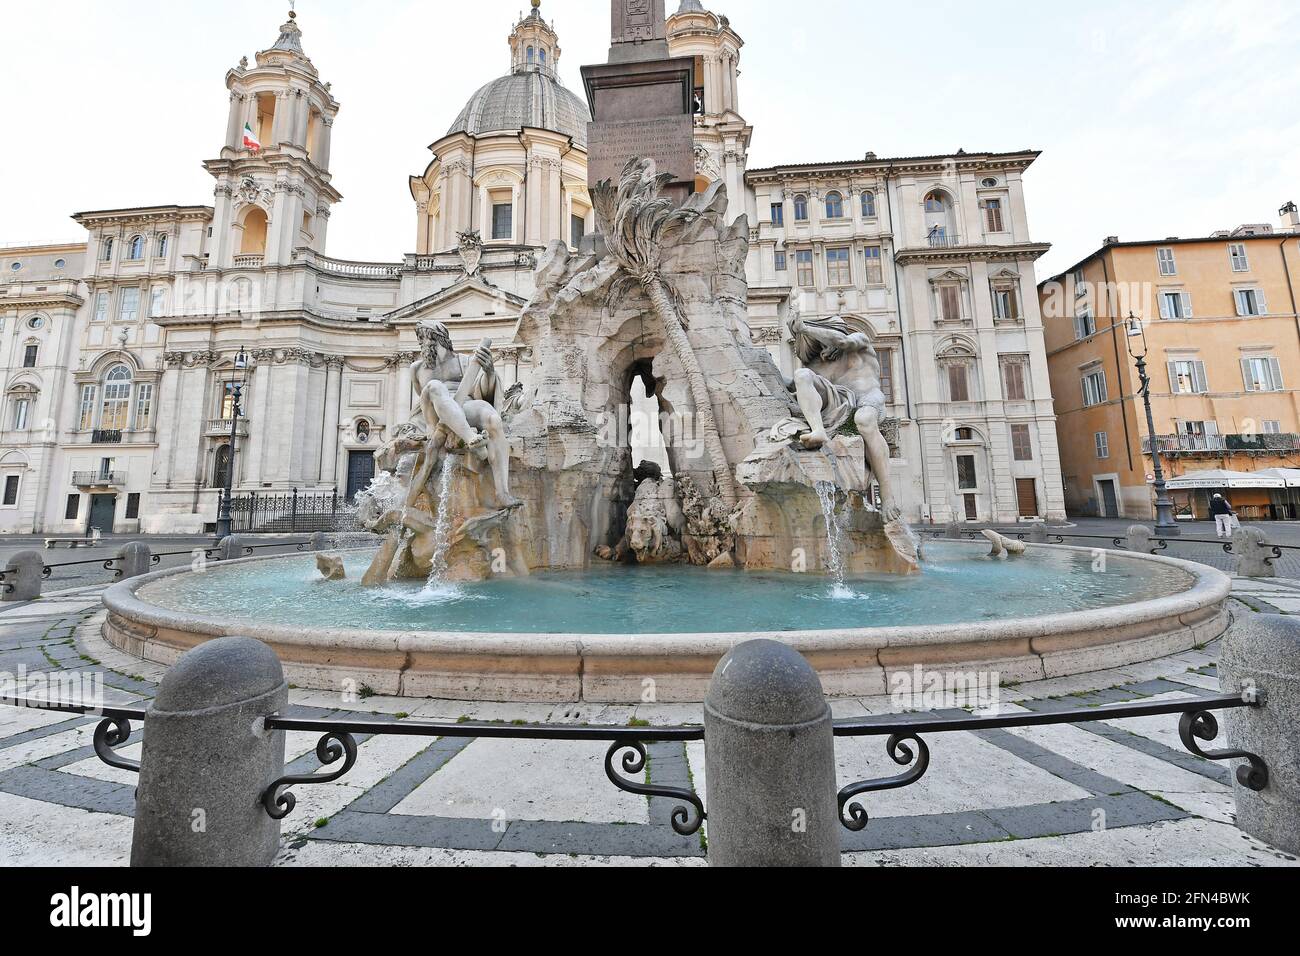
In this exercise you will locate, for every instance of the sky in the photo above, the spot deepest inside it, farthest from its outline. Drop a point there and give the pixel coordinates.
(1155, 120)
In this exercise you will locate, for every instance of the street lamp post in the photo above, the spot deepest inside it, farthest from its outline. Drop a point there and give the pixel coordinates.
(1166, 526)
(237, 394)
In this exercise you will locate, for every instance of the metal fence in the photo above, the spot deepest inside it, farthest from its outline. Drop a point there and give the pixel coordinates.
(290, 513)
(627, 756)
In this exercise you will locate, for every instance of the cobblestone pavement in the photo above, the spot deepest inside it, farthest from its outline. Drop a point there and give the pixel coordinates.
(1004, 797)
(83, 567)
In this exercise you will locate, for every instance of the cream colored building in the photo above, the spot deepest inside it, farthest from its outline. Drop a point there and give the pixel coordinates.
(127, 408)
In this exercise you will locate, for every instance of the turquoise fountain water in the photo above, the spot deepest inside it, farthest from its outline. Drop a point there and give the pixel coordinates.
(960, 584)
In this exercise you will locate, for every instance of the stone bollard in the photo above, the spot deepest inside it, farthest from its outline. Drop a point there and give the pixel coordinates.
(321, 541)
(230, 548)
(134, 559)
(953, 530)
(1038, 533)
(1253, 554)
(1139, 539)
(1261, 652)
(207, 759)
(23, 576)
(769, 761)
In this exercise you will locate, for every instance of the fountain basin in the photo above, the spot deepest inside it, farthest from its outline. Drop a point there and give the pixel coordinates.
(1042, 616)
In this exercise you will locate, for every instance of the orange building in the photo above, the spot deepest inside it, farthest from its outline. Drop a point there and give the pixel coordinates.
(1223, 337)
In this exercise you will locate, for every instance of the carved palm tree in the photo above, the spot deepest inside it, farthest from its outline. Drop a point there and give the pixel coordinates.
(638, 224)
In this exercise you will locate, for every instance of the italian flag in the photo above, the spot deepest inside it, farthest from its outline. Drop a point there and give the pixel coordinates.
(250, 141)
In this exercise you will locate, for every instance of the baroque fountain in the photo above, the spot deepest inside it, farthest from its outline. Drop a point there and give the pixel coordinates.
(523, 556)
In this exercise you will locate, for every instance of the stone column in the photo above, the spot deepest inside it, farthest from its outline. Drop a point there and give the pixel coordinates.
(770, 762)
(330, 436)
(1261, 655)
(235, 125)
(208, 759)
(325, 138)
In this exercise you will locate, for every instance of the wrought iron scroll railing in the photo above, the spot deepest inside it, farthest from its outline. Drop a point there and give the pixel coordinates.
(627, 757)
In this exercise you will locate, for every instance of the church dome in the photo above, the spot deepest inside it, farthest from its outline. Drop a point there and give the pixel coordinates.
(530, 97)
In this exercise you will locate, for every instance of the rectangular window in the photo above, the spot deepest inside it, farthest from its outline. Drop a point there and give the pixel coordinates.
(966, 480)
(1080, 287)
(1102, 441)
(1187, 377)
(838, 271)
(128, 306)
(778, 260)
(86, 415)
(1168, 265)
(803, 260)
(132, 507)
(1013, 381)
(1272, 428)
(1094, 388)
(29, 356)
(11, 490)
(21, 408)
(1262, 374)
(1237, 253)
(143, 407)
(228, 401)
(503, 221)
(1084, 323)
(875, 270)
(1022, 446)
(958, 383)
(993, 214)
(950, 303)
(778, 214)
(1250, 302)
(156, 297)
(101, 307)
(1175, 305)
(73, 508)
(577, 230)
(886, 357)
(1006, 305)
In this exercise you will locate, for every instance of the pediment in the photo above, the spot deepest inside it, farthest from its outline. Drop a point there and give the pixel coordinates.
(471, 296)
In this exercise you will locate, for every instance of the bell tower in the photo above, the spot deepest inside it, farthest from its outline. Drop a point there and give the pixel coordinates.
(274, 191)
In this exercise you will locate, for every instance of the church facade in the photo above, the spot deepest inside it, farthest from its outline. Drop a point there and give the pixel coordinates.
(120, 359)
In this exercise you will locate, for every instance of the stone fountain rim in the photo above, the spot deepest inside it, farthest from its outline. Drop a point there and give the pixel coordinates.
(1209, 588)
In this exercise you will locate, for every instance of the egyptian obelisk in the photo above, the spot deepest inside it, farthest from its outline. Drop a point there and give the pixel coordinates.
(641, 100)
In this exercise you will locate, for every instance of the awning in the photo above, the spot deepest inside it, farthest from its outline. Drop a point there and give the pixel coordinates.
(1290, 475)
(1220, 478)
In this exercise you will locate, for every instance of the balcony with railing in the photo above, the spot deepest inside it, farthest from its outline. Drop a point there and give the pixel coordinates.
(1245, 444)
(98, 479)
(106, 436)
(220, 428)
(248, 262)
(346, 267)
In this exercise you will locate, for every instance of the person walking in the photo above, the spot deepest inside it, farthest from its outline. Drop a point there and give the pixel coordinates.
(1223, 516)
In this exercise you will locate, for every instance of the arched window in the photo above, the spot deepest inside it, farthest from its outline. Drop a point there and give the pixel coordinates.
(363, 431)
(868, 205)
(834, 206)
(801, 208)
(939, 220)
(115, 411)
(253, 241)
(221, 467)
(532, 56)
(136, 249)
(541, 56)
(161, 250)
(936, 201)
(106, 250)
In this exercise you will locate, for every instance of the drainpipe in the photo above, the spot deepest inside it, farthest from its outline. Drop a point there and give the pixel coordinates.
(1123, 402)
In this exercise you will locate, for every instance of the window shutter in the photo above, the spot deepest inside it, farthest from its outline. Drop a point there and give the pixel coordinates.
(1173, 377)
(1246, 376)
(1166, 306)
(1275, 368)
(1259, 300)
(1240, 298)
(1198, 377)
(1187, 304)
